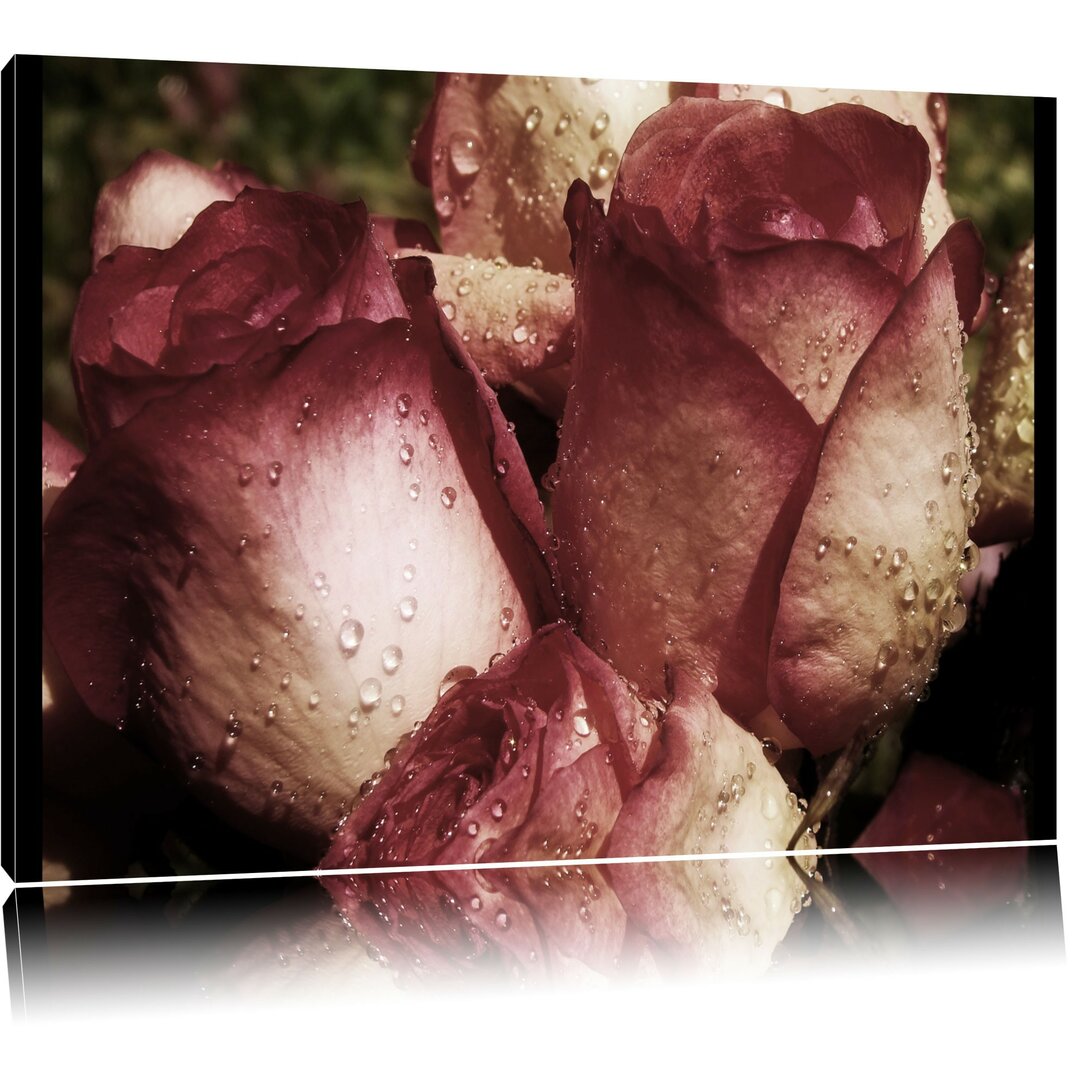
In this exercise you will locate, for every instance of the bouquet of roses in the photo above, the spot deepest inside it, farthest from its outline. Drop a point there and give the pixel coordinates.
(306, 561)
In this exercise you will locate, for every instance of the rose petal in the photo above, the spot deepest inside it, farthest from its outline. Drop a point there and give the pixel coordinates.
(711, 791)
(403, 234)
(499, 153)
(246, 278)
(742, 175)
(927, 112)
(870, 586)
(676, 495)
(936, 802)
(831, 295)
(1003, 407)
(514, 320)
(212, 553)
(156, 200)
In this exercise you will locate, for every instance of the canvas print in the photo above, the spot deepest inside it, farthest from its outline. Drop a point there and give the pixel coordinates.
(563, 482)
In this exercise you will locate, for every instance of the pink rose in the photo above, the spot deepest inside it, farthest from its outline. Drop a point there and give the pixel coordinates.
(764, 472)
(550, 756)
(267, 573)
(247, 276)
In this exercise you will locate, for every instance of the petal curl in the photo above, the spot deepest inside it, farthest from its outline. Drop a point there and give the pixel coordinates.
(247, 277)
(926, 111)
(870, 589)
(155, 201)
(514, 320)
(499, 153)
(677, 492)
(711, 791)
(211, 563)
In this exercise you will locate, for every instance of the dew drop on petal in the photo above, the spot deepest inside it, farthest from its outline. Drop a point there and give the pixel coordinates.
(407, 608)
(447, 497)
(580, 721)
(397, 704)
(247, 474)
(274, 471)
(454, 676)
(391, 658)
(370, 694)
(403, 405)
(350, 635)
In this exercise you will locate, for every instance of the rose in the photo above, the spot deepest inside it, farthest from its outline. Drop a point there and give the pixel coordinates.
(763, 471)
(246, 277)
(549, 756)
(268, 572)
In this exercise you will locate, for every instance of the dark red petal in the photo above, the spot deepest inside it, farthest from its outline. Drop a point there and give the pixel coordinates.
(402, 235)
(156, 200)
(936, 802)
(219, 535)
(246, 277)
(59, 459)
(677, 491)
(712, 791)
(867, 597)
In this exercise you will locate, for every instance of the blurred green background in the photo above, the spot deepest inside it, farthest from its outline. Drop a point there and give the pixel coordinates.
(345, 134)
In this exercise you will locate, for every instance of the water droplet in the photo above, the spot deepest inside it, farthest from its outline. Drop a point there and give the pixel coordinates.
(879, 553)
(502, 920)
(313, 699)
(391, 658)
(466, 153)
(949, 465)
(247, 473)
(498, 809)
(849, 545)
(580, 720)
(271, 712)
(520, 335)
(949, 542)
(934, 589)
(899, 557)
(406, 453)
(600, 124)
(397, 704)
(931, 510)
(407, 608)
(447, 497)
(370, 694)
(562, 123)
(506, 617)
(454, 676)
(954, 620)
(771, 750)
(824, 376)
(274, 471)
(414, 490)
(778, 97)
(403, 405)
(256, 661)
(286, 680)
(823, 547)
(887, 655)
(910, 593)
(502, 467)
(275, 787)
(969, 557)
(445, 205)
(533, 118)
(801, 391)
(234, 728)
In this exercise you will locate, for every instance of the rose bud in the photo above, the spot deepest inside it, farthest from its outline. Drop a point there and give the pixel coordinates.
(531, 760)
(927, 112)
(936, 802)
(247, 277)
(712, 790)
(269, 572)
(154, 203)
(1003, 407)
(764, 468)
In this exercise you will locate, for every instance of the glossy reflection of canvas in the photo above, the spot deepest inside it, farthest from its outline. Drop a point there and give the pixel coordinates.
(537, 478)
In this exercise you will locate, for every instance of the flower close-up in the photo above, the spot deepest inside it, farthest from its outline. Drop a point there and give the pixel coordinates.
(557, 551)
